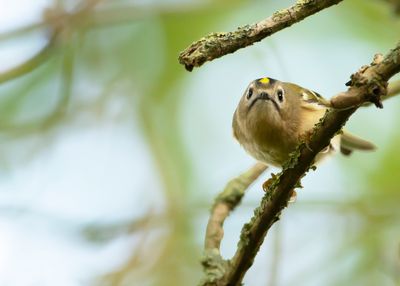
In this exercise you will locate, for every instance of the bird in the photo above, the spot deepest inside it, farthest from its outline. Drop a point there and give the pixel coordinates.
(272, 118)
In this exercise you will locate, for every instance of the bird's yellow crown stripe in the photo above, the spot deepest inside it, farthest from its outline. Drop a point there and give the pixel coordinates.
(264, 80)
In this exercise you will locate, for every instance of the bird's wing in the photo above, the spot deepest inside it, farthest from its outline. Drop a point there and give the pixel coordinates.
(312, 100)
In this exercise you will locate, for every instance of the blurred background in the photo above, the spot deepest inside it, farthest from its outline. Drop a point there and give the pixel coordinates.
(111, 153)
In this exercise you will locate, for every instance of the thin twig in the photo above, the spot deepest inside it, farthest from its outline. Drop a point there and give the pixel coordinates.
(396, 5)
(227, 200)
(392, 91)
(376, 83)
(21, 31)
(59, 21)
(216, 45)
(30, 64)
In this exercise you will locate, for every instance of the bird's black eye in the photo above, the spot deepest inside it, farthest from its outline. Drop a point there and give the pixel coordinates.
(279, 93)
(249, 93)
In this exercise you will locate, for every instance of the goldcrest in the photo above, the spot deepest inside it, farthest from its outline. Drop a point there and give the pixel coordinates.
(272, 117)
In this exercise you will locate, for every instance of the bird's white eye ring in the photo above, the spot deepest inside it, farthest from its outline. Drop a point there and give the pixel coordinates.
(249, 93)
(279, 93)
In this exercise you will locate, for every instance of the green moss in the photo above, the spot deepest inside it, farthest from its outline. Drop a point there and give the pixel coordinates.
(298, 185)
(304, 2)
(294, 157)
(245, 233)
(231, 195)
(214, 266)
(278, 15)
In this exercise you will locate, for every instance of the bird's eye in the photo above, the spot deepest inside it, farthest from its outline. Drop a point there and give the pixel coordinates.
(249, 93)
(279, 93)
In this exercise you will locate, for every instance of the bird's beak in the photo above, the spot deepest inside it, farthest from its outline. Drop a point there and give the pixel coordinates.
(264, 96)
(260, 96)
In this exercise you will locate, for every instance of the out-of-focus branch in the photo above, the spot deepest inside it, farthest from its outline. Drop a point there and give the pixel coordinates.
(393, 89)
(216, 45)
(104, 232)
(21, 31)
(396, 5)
(226, 202)
(30, 64)
(61, 23)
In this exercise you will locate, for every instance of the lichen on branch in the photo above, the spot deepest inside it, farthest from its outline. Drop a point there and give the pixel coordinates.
(216, 45)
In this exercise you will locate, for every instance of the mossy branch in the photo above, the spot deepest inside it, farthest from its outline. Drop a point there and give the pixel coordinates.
(216, 45)
(393, 89)
(213, 263)
(226, 202)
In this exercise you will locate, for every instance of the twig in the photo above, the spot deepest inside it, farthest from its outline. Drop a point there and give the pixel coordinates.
(393, 89)
(368, 84)
(30, 64)
(216, 45)
(59, 21)
(21, 31)
(376, 82)
(227, 200)
(396, 5)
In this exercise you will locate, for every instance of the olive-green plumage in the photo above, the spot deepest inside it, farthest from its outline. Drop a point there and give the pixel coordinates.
(272, 116)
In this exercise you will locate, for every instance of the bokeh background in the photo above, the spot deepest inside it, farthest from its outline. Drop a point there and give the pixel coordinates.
(111, 153)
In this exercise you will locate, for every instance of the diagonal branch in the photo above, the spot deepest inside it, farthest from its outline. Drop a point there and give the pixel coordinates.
(224, 204)
(60, 22)
(368, 84)
(216, 45)
(227, 202)
(32, 63)
(393, 89)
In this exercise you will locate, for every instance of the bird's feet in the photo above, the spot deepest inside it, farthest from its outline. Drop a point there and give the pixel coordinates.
(267, 183)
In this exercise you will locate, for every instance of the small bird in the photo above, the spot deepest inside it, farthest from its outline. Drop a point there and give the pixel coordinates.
(272, 117)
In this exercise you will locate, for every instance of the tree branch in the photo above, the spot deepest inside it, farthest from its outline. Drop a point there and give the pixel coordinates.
(31, 63)
(227, 200)
(368, 84)
(216, 45)
(393, 89)
(396, 5)
(59, 21)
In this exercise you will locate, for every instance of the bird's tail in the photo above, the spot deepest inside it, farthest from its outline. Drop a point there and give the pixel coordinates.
(350, 142)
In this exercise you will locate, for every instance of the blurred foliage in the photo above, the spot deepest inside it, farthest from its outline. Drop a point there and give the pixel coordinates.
(100, 50)
(140, 52)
